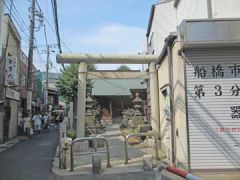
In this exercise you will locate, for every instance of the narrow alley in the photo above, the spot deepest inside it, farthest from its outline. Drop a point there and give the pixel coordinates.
(30, 159)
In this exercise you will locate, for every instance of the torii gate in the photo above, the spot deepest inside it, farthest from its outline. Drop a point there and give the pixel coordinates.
(84, 59)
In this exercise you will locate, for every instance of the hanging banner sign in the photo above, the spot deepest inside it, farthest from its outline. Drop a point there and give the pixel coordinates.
(12, 94)
(45, 94)
(11, 69)
(29, 100)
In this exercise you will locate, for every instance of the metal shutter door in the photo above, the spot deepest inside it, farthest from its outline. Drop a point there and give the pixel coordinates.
(213, 108)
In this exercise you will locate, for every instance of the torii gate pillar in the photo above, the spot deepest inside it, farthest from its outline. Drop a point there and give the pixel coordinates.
(81, 100)
(154, 99)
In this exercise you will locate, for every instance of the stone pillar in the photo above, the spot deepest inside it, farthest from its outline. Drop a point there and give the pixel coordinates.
(154, 99)
(71, 115)
(96, 163)
(147, 161)
(65, 153)
(81, 101)
(62, 130)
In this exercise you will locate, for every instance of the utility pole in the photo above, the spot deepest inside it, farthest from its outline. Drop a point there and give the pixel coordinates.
(46, 87)
(30, 59)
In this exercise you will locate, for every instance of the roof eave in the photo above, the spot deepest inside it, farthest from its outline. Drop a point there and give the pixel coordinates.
(150, 20)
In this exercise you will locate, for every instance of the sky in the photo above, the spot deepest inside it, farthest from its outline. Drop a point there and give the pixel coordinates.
(88, 26)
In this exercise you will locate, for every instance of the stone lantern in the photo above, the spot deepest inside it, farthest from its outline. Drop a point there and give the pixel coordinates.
(89, 105)
(137, 105)
(90, 122)
(138, 118)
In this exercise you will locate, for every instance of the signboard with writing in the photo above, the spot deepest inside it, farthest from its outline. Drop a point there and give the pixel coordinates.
(11, 71)
(29, 100)
(12, 94)
(45, 94)
(213, 96)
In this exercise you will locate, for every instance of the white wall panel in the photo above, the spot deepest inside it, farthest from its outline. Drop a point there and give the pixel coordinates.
(191, 9)
(226, 8)
(214, 127)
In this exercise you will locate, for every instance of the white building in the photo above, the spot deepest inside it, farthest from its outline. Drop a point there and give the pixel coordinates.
(202, 132)
(202, 9)
(167, 15)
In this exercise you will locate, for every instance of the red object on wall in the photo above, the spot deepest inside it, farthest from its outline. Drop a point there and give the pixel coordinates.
(177, 171)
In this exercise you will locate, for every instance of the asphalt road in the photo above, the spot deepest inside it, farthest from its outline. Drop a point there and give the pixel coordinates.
(30, 159)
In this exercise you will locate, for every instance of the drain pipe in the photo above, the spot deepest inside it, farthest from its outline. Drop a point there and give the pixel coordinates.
(167, 50)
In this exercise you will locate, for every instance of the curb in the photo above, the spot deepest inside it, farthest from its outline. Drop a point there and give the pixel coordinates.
(12, 142)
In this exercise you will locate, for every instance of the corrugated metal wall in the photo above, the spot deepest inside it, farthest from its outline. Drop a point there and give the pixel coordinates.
(213, 97)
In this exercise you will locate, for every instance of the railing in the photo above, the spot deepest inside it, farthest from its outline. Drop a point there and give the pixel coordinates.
(89, 139)
(138, 135)
(115, 135)
(174, 170)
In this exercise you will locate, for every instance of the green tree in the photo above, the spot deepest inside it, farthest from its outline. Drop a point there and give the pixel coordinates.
(68, 81)
(123, 68)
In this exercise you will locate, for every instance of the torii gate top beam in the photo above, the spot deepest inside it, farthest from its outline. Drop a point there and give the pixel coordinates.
(106, 59)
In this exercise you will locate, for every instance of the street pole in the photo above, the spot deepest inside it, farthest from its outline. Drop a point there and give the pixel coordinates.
(30, 60)
(46, 87)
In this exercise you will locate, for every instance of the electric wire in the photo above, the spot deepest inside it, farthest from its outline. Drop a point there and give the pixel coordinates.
(20, 17)
(55, 15)
(52, 28)
(15, 20)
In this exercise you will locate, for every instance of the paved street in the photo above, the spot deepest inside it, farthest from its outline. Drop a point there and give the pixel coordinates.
(30, 159)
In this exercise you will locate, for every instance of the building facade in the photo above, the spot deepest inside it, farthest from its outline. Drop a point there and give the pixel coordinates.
(11, 46)
(53, 93)
(198, 83)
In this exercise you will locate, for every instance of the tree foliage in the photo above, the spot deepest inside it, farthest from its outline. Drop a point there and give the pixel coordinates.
(123, 68)
(68, 81)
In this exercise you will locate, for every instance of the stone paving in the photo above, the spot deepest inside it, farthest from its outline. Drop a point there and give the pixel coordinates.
(118, 171)
(117, 153)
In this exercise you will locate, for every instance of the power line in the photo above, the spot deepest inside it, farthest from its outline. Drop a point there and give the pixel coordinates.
(20, 22)
(18, 14)
(52, 28)
(55, 17)
(39, 54)
(38, 6)
(14, 18)
(45, 34)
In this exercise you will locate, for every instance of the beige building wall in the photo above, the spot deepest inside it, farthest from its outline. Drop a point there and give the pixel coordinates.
(181, 149)
(13, 38)
(165, 126)
(12, 47)
(180, 108)
(12, 132)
